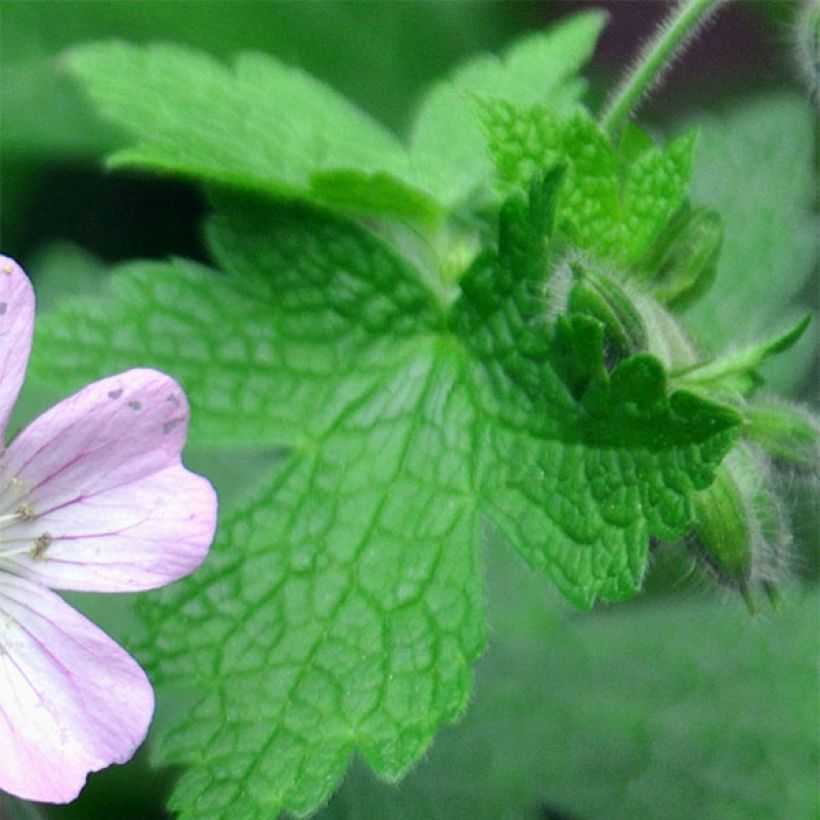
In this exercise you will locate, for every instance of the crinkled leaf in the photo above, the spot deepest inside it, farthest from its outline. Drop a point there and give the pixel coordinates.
(523, 140)
(654, 188)
(341, 610)
(613, 204)
(602, 468)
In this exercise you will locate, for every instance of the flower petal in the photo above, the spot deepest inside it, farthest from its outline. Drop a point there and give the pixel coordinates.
(108, 505)
(16, 326)
(71, 700)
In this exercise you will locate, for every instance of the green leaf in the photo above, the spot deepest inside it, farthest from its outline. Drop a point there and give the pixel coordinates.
(613, 204)
(630, 455)
(361, 48)
(655, 187)
(447, 143)
(341, 609)
(267, 127)
(754, 165)
(262, 126)
(669, 709)
(526, 140)
(265, 354)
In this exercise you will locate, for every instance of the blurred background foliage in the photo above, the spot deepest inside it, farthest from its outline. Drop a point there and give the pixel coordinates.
(576, 715)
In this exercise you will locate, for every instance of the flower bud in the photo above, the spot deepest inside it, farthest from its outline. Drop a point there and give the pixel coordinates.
(788, 433)
(682, 263)
(739, 530)
(603, 299)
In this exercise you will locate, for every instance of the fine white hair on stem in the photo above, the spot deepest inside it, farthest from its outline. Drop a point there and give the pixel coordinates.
(686, 19)
(806, 43)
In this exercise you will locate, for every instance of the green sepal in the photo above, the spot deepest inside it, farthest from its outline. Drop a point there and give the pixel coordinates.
(789, 434)
(577, 352)
(681, 265)
(602, 298)
(723, 529)
(738, 372)
(740, 531)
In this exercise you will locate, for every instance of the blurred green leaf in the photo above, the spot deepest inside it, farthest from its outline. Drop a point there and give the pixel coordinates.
(754, 165)
(268, 127)
(358, 45)
(262, 126)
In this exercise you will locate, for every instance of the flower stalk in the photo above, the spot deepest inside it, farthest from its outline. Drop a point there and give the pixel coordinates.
(673, 34)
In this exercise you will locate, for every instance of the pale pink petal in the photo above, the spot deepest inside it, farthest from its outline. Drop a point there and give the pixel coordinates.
(106, 504)
(16, 326)
(71, 700)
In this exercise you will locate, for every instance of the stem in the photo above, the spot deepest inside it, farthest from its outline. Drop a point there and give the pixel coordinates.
(672, 35)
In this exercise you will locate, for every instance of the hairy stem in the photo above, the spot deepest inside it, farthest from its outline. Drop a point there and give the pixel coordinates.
(673, 33)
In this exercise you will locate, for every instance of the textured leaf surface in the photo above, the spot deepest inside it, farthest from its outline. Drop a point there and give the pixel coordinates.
(609, 205)
(676, 709)
(341, 609)
(262, 352)
(600, 469)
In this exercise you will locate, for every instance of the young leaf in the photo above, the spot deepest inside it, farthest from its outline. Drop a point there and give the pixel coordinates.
(614, 205)
(447, 143)
(654, 188)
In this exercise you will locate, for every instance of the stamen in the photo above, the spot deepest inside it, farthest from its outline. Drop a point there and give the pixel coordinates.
(34, 548)
(41, 545)
(25, 512)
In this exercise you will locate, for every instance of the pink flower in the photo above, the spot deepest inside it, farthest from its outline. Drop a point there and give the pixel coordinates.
(93, 496)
